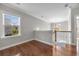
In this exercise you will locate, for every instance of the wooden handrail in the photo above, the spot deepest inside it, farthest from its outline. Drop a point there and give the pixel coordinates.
(59, 31)
(63, 31)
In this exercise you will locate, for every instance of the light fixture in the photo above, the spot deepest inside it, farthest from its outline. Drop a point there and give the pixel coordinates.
(77, 17)
(68, 5)
(37, 29)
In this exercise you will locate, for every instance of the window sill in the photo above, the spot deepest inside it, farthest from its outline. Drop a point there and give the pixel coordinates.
(11, 36)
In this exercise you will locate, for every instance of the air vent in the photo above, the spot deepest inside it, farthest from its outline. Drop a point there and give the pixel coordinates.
(18, 3)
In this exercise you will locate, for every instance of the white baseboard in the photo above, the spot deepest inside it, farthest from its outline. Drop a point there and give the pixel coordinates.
(44, 42)
(15, 44)
(26, 41)
(23, 42)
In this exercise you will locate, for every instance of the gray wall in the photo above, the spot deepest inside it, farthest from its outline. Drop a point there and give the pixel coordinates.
(44, 36)
(28, 24)
(1, 28)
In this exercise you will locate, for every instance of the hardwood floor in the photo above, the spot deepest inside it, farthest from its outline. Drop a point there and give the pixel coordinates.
(35, 48)
(67, 50)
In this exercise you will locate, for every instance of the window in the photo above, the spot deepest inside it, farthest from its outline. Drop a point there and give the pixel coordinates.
(11, 25)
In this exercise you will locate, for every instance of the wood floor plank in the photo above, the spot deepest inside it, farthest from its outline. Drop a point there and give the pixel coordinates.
(1, 54)
(35, 48)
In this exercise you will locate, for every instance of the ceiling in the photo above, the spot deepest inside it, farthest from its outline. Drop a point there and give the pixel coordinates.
(49, 12)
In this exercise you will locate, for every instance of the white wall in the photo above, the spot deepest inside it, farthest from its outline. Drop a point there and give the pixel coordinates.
(75, 12)
(28, 24)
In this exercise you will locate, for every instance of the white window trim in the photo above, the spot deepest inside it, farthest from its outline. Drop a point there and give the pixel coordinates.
(3, 36)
